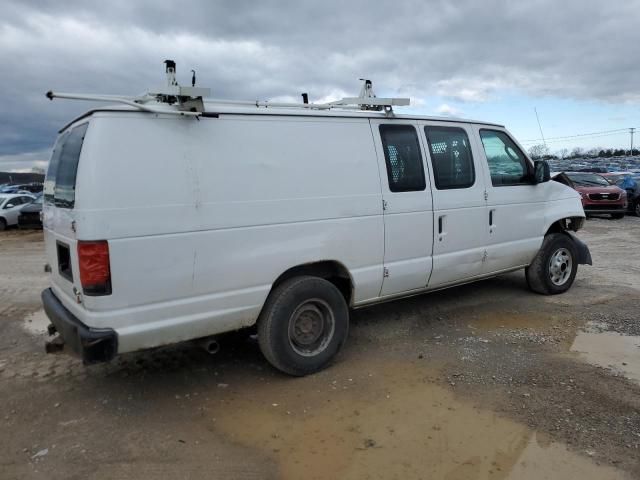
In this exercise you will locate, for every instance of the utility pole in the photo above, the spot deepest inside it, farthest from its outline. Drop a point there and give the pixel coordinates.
(631, 130)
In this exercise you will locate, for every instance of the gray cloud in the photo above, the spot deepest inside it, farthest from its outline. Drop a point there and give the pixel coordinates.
(464, 51)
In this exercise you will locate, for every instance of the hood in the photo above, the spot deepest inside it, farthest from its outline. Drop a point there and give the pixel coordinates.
(558, 190)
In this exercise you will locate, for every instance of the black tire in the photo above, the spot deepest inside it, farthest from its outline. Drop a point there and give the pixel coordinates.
(636, 208)
(541, 278)
(294, 307)
(3, 224)
(617, 216)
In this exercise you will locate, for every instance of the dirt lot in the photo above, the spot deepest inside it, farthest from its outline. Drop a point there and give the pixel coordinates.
(485, 381)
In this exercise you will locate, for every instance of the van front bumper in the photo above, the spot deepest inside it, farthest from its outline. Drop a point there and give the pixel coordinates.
(94, 345)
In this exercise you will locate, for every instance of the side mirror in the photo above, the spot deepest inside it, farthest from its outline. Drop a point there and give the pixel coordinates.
(541, 171)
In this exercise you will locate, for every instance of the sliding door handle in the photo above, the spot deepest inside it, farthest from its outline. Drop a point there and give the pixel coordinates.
(441, 226)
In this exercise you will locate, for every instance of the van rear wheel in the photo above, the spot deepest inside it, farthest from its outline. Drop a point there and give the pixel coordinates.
(303, 325)
(554, 268)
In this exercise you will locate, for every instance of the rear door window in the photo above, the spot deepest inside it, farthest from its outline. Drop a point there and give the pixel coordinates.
(60, 186)
(451, 157)
(402, 155)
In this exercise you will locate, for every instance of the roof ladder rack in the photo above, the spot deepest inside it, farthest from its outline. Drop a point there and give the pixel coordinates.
(190, 100)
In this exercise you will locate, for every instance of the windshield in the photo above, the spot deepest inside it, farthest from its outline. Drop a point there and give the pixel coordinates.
(613, 179)
(588, 180)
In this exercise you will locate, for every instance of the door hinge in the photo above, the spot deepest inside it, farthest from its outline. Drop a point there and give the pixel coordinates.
(484, 256)
(384, 204)
(385, 272)
(486, 195)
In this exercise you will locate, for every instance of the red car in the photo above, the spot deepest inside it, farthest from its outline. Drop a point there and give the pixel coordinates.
(598, 195)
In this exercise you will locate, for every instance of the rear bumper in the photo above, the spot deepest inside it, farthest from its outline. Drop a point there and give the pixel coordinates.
(93, 345)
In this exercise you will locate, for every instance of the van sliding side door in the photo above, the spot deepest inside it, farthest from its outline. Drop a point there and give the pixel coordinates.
(407, 206)
(459, 205)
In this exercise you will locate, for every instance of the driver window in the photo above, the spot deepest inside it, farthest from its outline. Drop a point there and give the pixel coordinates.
(507, 163)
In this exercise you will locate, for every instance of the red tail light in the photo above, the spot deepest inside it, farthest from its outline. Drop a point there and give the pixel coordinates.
(95, 274)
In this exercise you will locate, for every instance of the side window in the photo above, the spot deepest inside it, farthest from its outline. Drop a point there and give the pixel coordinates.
(507, 163)
(451, 157)
(402, 155)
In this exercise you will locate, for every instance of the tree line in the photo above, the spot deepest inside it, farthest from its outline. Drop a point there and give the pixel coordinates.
(540, 151)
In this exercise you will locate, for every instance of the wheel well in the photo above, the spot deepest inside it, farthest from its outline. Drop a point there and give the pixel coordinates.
(570, 223)
(330, 270)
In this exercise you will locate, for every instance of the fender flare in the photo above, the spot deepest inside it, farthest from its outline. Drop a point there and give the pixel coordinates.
(584, 255)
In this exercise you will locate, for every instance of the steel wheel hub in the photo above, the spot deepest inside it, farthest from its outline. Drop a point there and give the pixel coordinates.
(311, 327)
(560, 266)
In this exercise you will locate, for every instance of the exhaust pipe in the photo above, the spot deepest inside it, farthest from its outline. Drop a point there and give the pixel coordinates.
(210, 345)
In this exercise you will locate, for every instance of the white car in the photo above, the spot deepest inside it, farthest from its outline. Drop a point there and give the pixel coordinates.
(10, 205)
(165, 224)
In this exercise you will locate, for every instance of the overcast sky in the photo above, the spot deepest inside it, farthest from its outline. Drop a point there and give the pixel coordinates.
(576, 61)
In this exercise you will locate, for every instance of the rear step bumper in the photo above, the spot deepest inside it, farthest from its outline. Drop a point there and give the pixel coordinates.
(93, 345)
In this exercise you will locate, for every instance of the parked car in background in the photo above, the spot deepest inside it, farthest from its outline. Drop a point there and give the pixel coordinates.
(16, 190)
(630, 183)
(10, 205)
(594, 170)
(598, 195)
(31, 214)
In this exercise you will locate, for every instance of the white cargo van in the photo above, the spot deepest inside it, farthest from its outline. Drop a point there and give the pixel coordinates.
(166, 222)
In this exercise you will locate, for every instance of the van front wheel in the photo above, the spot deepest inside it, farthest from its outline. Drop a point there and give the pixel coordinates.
(303, 325)
(554, 268)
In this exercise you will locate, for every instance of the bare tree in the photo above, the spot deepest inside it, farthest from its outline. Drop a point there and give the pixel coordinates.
(538, 151)
(577, 153)
(563, 152)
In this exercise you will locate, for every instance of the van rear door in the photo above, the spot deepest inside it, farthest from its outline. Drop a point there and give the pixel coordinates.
(407, 206)
(59, 214)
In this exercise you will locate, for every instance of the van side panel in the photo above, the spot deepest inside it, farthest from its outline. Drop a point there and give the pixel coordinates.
(202, 216)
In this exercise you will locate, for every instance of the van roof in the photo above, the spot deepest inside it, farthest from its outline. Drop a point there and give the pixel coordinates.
(214, 109)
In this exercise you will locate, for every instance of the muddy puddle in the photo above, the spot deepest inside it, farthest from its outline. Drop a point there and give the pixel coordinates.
(391, 422)
(619, 353)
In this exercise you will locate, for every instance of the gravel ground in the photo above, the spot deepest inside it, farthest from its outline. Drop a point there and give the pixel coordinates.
(478, 381)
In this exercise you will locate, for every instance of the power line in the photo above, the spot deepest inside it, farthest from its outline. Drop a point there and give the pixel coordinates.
(615, 134)
(577, 135)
